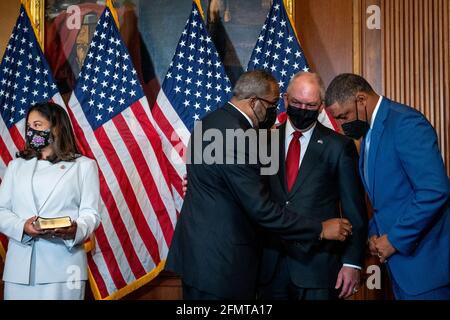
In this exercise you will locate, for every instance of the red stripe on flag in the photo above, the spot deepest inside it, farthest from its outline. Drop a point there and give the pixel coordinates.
(99, 282)
(146, 176)
(122, 234)
(128, 193)
(167, 129)
(116, 220)
(4, 154)
(333, 122)
(4, 241)
(153, 137)
(17, 137)
(111, 264)
(175, 178)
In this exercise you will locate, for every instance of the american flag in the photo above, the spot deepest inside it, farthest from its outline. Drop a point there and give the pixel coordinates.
(25, 79)
(278, 51)
(112, 120)
(195, 85)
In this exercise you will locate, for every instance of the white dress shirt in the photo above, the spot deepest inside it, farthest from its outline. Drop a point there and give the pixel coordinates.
(243, 113)
(304, 140)
(367, 141)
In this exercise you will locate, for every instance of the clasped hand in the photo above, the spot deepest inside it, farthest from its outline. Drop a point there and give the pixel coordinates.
(381, 247)
(63, 233)
(336, 229)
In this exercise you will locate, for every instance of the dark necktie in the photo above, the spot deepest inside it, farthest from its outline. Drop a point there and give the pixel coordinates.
(293, 160)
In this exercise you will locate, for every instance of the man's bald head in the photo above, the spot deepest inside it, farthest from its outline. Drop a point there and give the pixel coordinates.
(312, 80)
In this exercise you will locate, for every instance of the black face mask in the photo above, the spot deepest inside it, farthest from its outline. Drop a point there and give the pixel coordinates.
(38, 140)
(302, 118)
(271, 118)
(356, 129)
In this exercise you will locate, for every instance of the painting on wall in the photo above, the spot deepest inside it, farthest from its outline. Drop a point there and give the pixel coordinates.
(151, 30)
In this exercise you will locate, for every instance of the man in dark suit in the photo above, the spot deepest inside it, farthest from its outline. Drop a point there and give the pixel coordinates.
(216, 244)
(406, 181)
(318, 178)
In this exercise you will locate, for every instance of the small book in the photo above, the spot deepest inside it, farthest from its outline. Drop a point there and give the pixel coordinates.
(52, 223)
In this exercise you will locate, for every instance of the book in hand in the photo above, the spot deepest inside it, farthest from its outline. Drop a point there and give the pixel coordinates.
(52, 223)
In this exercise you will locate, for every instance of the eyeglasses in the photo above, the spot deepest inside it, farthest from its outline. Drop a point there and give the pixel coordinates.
(271, 104)
(308, 106)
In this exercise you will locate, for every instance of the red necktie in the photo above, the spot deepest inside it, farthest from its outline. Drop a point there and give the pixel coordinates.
(293, 160)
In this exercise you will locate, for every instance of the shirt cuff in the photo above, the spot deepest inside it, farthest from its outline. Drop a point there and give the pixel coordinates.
(352, 266)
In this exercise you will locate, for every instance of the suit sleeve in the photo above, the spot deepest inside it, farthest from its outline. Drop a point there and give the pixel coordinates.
(353, 206)
(88, 216)
(373, 230)
(417, 148)
(248, 186)
(11, 224)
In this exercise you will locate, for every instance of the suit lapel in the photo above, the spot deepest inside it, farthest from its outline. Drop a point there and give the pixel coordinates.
(377, 132)
(26, 171)
(282, 157)
(243, 122)
(316, 146)
(54, 174)
(361, 162)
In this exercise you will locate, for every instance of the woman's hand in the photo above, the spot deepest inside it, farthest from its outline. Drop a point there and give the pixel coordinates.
(31, 230)
(65, 233)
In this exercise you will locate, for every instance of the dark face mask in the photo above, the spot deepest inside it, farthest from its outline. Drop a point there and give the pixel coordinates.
(356, 129)
(38, 140)
(302, 118)
(271, 118)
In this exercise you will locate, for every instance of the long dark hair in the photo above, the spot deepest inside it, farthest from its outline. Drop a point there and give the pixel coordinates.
(63, 146)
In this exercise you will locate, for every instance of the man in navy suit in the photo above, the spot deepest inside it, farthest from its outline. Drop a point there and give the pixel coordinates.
(406, 181)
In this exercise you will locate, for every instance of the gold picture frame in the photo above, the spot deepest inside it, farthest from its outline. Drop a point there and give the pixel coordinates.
(36, 11)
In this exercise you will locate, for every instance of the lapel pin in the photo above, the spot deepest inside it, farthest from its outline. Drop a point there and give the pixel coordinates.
(320, 141)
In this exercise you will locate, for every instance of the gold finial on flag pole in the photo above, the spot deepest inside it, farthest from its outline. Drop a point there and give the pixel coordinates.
(110, 5)
(199, 5)
(35, 11)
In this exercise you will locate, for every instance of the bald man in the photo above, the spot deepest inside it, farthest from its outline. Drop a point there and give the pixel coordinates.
(318, 178)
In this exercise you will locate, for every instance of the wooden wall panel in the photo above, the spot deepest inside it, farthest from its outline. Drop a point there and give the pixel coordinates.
(368, 46)
(416, 60)
(325, 30)
(9, 10)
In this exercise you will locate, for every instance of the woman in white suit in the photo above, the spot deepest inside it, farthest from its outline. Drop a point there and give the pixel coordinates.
(48, 179)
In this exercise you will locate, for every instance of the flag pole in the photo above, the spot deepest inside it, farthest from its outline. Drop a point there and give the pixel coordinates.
(291, 20)
(199, 5)
(110, 5)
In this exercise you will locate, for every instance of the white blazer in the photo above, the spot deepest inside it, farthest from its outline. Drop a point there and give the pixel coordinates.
(72, 189)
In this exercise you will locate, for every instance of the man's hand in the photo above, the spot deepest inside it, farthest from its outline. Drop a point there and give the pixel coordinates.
(384, 248)
(65, 233)
(372, 248)
(348, 278)
(31, 230)
(184, 184)
(336, 229)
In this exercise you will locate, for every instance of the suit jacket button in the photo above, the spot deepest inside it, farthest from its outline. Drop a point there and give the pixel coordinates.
(287, 203)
